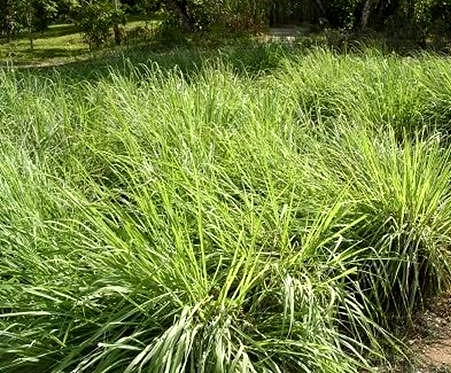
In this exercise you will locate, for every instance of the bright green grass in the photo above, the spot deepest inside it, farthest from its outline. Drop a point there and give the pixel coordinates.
(221, 219)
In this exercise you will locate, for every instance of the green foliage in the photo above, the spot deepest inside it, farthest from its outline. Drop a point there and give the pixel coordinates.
(343, 13)
(20, 15)
(95, 20)
(8, 22)
(409, 19)
(43, 13)
(222, 217)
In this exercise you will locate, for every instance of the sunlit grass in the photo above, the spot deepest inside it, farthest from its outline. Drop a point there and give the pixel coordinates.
(62, 44)
(221, 219)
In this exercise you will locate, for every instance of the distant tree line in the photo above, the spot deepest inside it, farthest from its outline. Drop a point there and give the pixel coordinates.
(101, 19)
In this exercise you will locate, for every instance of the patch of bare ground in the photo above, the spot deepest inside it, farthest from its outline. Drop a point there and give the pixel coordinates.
(431, 341)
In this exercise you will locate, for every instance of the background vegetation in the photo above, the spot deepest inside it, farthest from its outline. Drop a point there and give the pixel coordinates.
(414, 19)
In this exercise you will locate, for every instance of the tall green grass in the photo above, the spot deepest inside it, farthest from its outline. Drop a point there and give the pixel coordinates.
(218, 221)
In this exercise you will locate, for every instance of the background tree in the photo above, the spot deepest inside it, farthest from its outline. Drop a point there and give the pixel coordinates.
(8, 18)
(96, 18)
(26, 15)
(101, 19)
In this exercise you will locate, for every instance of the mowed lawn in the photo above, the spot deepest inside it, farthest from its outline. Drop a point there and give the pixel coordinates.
(261, 209)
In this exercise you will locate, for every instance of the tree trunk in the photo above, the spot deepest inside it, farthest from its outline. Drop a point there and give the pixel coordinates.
(7, 20)
(321, 7)
(9, 29)
(30, 22)
(180, 8)
(366, 14)
(30, 31)
(117, 34)
(116, 29)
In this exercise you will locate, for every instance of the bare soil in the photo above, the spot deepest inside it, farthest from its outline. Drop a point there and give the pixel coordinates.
(431, 342)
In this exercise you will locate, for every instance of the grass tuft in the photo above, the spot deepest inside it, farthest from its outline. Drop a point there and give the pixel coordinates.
(272, 213)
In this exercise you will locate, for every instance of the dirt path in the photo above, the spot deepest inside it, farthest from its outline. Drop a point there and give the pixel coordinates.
(432, 342)
(438, 354)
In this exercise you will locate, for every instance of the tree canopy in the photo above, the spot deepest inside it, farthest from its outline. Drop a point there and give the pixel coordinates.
(96, 18)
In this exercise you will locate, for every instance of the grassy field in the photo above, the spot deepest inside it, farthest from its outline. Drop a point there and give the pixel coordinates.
(62, 44)
(252, 210)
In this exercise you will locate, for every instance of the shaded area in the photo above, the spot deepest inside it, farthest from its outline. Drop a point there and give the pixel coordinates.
(145, 43)
(57, 30)
(50, 53)
(244, 55)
